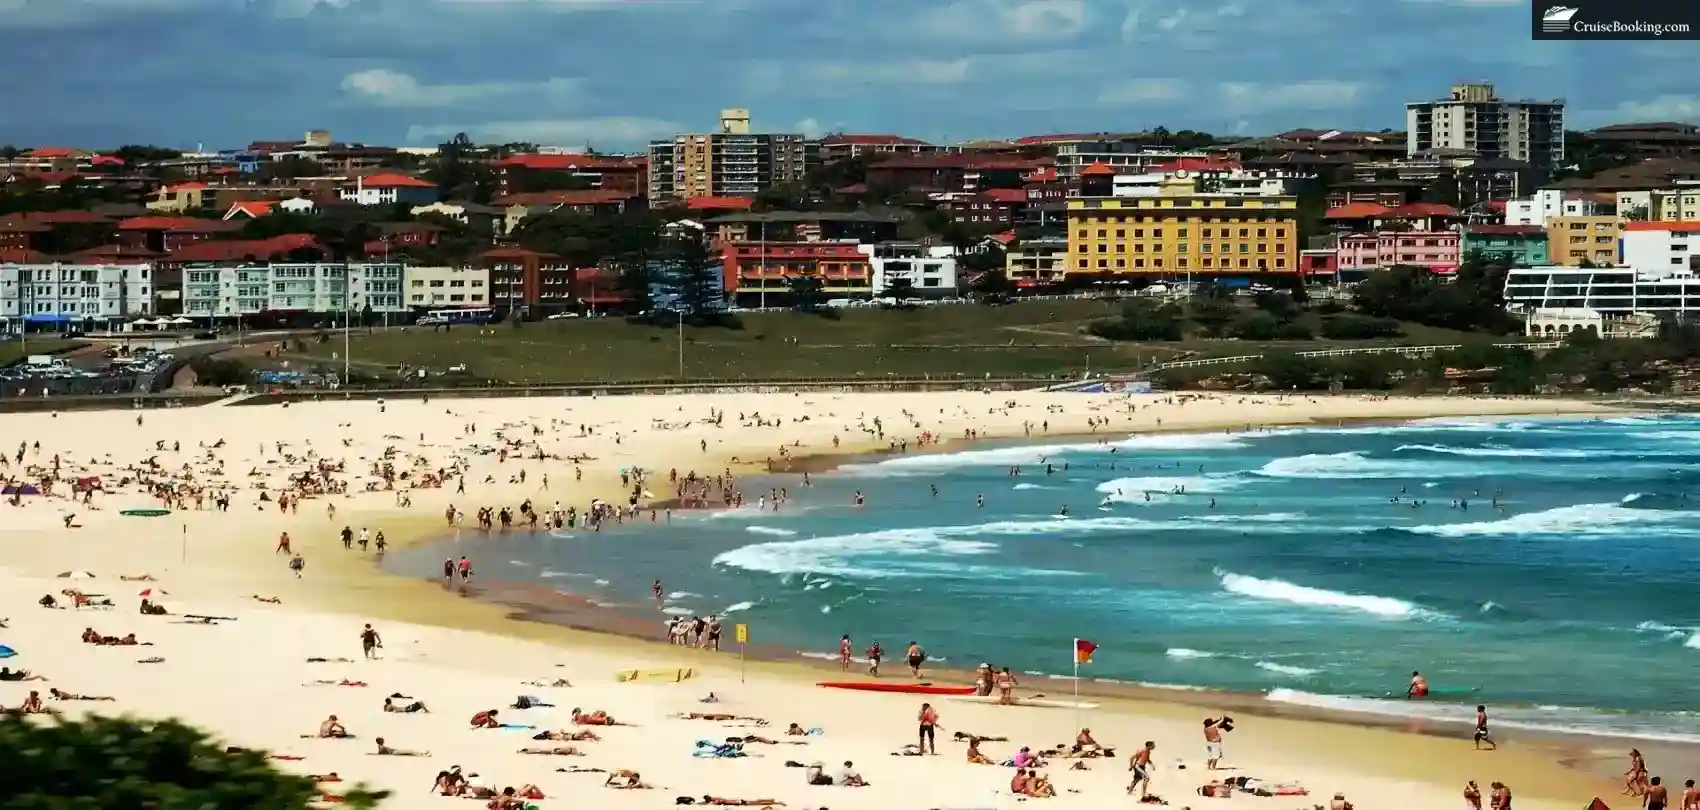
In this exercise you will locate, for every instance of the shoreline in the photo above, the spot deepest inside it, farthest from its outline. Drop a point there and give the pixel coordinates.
(533, 602)
(215, 562)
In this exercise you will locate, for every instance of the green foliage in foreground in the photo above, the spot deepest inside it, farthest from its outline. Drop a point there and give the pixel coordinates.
(124, 764)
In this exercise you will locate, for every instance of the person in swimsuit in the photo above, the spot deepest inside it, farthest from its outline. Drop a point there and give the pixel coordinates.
(875, 653)
(916, 657)
(1481, 735)
(1418, 688)
(1635, 779)
(1690, 796)
(1213, 742)
(1140, 766)
(369, 642)
(844, 653)
(929, 720)
(1472, 796)
(1006, 687)
(1501, 796)
(1656, 797)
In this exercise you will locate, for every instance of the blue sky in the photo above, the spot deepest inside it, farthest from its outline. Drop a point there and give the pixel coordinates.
(614, 73)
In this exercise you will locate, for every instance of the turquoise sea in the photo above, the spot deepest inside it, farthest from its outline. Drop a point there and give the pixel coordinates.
(1574, 605)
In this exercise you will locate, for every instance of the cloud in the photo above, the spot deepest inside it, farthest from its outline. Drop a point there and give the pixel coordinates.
(1002, 19)
(1250, 98)
(772, 77)
(388, 88)
(66, 13)
(1660, 108)
(1132, 92)
(809, 127)
(605, 132)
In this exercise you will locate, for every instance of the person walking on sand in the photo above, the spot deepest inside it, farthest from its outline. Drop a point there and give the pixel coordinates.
(1140, 766)
(297, 565)
(1501, 799)
(844, 652)
(875, 653)
(282, 544)
(370, 642)
(1481, 735)
(1690, 796)
(929, 722)
(915, 656)
(1006, 687)
(1213, 742)
(1657, 795)
(1472, 796)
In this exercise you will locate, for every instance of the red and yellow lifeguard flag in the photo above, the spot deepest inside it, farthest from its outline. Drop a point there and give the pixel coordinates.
(1083, 650)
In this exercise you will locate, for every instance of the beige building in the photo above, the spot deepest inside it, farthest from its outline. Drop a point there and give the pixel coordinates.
(1036, 262)
(1574, 240)
(447, 287)
(732, 162)
(1174, 230)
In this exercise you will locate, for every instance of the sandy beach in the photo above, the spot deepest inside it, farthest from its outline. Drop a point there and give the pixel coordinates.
(250, 679)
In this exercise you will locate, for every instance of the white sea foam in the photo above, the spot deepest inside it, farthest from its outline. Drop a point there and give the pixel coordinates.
(1132, 490)
(770, 530)
(1500, 452)
(678, 611)
(683, 595)
(602, 582)
(1182, 652)
(736, 607)
(1285, 669)
(868, 554)
(519, 563)
(1354, 465)
(1275, 590)
(1036, 454)
(1580, 520)
(1028, 486)
(1666, 726)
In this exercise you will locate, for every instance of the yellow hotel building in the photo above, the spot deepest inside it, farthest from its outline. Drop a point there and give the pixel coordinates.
(1178, 231)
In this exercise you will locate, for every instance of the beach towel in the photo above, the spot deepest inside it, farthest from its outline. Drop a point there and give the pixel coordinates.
(516, 727)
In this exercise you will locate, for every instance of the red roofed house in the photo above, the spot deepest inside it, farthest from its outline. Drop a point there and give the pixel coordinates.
(250, 209)
(277, 248)
(950, 172)
(388, 188)
(166, 234)
(996, 207)
(1661, 247)
(516, 173)
(719, 205)
(608, 201)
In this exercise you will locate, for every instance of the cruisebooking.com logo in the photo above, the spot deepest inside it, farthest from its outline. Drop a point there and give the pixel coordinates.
(1630, 19)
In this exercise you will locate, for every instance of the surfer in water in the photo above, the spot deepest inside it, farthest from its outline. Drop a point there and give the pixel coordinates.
(1418, 688)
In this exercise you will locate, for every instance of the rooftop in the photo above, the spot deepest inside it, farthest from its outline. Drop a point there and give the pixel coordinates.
(804, 216)
(392, 180)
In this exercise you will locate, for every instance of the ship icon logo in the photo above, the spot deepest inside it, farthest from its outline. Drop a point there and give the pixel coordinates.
(1556, 20)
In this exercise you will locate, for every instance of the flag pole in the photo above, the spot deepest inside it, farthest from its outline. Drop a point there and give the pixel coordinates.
(1076, 653)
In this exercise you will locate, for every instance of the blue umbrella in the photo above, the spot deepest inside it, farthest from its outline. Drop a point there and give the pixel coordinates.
(7, 652)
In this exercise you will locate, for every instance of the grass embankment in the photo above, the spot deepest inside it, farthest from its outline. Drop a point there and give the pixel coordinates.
(1029, 338)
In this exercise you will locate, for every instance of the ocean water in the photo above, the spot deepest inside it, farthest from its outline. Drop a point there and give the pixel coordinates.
(1574, 605)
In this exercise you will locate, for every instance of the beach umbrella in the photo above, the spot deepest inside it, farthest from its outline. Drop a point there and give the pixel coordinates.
(149, 593)
(20, 489)
(76, 575)
(7, 652)
(180, 320)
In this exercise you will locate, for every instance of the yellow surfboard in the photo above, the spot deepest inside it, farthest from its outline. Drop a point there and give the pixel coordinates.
(654, 675)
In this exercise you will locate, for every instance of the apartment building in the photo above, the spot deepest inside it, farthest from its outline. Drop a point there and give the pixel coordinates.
(1521, 245)
(1547, 203)
(1434, 251)
(528, 283)
(447, 287)
(228, 292)
(845, 146)
(1125, 154)
(930, 270)
(74, 293)
(1664, 247)
(1678, 204)
(1473, 120)
(732, 162)
(1604, 291)
(388, 188)
(1036, 262)
(1575, 240)
(518, 173)
(1177, 230)
(756, 273)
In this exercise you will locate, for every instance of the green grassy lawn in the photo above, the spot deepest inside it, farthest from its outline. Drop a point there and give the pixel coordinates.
(1028, 338)
(13, 351)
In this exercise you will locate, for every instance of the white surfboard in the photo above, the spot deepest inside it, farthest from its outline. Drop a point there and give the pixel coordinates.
(1038, 703)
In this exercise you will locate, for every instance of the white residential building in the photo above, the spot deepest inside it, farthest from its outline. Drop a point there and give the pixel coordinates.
(1474, 120)
(1547, 203)
(224, 292)
(1661, 247)
(389, 188)
(447, 287)
(1610, 291)
(74, 293)
(930, 269)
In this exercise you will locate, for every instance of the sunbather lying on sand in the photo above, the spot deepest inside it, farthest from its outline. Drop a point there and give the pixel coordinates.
(725, 802)
(91, 637)
(330, 729)
(627, 780)
(751, 738)
(720, 717)
(558, 751)
(1216, 790)
(270, 600)
(486, 719)
(567, 736)
(63, 695)
(343, 682)
(7, 674)
(137, 578)
(554, 684)
(963, 735)
(386, 751)
(595, 718)
(411, 708)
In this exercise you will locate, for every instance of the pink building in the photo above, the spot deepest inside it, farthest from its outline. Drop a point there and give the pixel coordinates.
(1436, 250)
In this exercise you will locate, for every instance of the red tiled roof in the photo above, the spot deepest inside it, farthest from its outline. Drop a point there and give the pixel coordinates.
(564, 162)
(1358, 211)
(392, 180)
(1198, 164)
(1423, 210)
(1065, 137)
(1003, 238)
(1661, 226)
(516, 254)
(239, 249)
(51, 152)
(572, 197)
(1097, 170)
(1043, 174)
(56, 178)
(719, 203)
(176, 224)
(106, 160)
(253, 208)
(67, 217)
(25, 256)
(21, 223)
(870, 140)
(852, 190)
(1506, 230)
(192, 185)
(1005, 195)
(116, 253)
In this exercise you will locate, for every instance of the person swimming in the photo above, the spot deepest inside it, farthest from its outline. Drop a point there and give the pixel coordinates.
(1418, 687)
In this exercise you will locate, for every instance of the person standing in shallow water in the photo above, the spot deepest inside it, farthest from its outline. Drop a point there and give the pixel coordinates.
(915, 657)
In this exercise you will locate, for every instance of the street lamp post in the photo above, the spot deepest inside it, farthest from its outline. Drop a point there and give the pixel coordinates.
(680, 311)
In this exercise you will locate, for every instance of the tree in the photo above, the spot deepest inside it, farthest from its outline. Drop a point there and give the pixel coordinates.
(1141, 319)
(1212, 314)
(900, 290)
(289, 168)
(1278, 304)
(807, 292)
(106, 762)
(692, 279)
(461, 174)
(994, 283)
